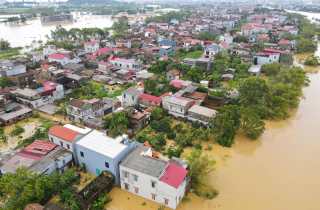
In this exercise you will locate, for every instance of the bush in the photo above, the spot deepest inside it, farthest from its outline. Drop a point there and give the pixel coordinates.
(1, 130)
(178, 127)
(17, 130)
(36, 114)
(172, 152)
(171, 136)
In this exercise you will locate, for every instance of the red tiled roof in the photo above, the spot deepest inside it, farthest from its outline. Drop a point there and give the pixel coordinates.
(263, 37)
(64, 133)
(37, 149)
(224, 44)
(174, 175)
(57, 56)
(165, 57)
(103, 50)
(92, 56)
(92, 43)
(151, 98)
(175, 71)
(45, 67)
(246, 28)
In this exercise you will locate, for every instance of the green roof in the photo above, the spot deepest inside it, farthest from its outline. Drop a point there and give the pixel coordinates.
(11, 106)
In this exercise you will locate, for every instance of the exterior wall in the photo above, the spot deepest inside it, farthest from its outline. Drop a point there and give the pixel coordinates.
(91, 48)
(161, 191)
(201, 118)
(36, 103)
(172, 76)
(246, 32)
(15, 119)
(136, 66)
(127, 100)
(62, 165)
(146, 103)
(16, 70)
(293, 32)
(39, 57)
(174, 109)
(269, 59)
(95, 161)
(56, 140)
(63, 61)
(52, 168)
(88, 110)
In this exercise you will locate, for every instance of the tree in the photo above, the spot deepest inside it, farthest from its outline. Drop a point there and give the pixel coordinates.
(312, 60)
(272, 69)
(205, 36)
(4, 45)
(201, 168)
(225, 124)
(121, 24)
(252, 126)
(59, 34)
(36, 85)
(62, 109)
(252, 91)
(202, 89)
(150, 85)
(193, 75)
(157, 114)
(5, 82)
(116, 123)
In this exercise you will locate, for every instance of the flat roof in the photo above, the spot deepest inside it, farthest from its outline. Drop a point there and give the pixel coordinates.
(16, 162)
(202, 110)
(98, 142)
(255, 68)
(10, 115)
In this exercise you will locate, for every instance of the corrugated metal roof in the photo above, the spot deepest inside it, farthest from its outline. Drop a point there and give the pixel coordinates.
(98, 142)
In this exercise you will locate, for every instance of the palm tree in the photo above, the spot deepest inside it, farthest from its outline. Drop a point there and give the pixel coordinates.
(62, 109)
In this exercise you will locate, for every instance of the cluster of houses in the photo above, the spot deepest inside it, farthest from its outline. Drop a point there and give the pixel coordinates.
(124, 60)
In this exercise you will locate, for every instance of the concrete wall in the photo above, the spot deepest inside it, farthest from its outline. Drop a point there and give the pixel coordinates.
(62, 165)
(269, 59)
(128, 101)
(143, 184)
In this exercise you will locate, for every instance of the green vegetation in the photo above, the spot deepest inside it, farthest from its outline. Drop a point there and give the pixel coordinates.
(201, 167)
(17, 130)
(102, 200)
(121, 24)
(5, 82)
(36, 85)
(196, 54)
(116, 123)
(312, 60)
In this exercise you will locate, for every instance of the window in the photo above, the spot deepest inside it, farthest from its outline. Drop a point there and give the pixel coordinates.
(153, 184)
(126, 174)
(135, 177)
(62, 170)
(179, 198)
(51, 139)
(120, 64)
(68, 146)
(202, 116)
(61, 143)
(166, 201)
(63, 162)
(136, 190)
(116, 64)
(81, 154)
(124, 95)
(127, 66)
(153, 197)
(126, 186)
(132, 98)
(106, 164)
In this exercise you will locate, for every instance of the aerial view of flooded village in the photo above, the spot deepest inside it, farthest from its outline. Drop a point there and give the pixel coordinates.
(159, 105)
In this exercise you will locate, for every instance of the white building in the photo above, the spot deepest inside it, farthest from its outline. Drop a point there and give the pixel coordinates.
(91, 47)
(254, 70)
(246, 31)
(130, 97)
(126, 64)
(264, 58)
(62, 59)
(154, 179)
(66, 136)
(12, 71)
(174, 21)
(49, 49)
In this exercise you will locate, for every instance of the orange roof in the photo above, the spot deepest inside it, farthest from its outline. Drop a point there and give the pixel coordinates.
(45, 67)
(247, 28)
(175, 71)
(283, 28)
(147, 144)
(64, 133)
(263, 37)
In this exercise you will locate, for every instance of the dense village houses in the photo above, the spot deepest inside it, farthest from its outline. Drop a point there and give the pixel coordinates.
(157, 180)
(126, 64)
(81, 110)
(91, 47)
(40, 156)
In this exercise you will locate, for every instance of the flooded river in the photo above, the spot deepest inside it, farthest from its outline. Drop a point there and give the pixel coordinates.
(280, 170)
(23, 34)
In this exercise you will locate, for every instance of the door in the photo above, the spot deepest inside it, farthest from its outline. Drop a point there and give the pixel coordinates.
(97, 171)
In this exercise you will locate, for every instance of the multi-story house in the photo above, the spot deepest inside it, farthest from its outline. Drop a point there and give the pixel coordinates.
(91, 47)
(211, 50)
(126, 64)
(201, 114)
(99, 152)
(51, 91)
(173, 74)
(53, 74)
(246, 31)
(67, 136)
(49, 49)
(12, 71)
(157, 180)
(267, 57)
(176, 107)
(30, 98)
(35, 56)
(130, 97)
(62, 59)
(80, 110)
(166, 47)
(137, 120)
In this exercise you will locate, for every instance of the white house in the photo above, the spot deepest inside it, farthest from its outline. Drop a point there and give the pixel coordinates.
(11, 71)
(35, 56)
(49, 49)
(264, 58)
(62, 59)
(126, 64)
(293, 31)
(154, 179)
(91, 47)
(130, 97)
(246, 31)
(66, 136)
(211, 50)
(164, 26)
(255, 70)
(174, 21)
(99, 152)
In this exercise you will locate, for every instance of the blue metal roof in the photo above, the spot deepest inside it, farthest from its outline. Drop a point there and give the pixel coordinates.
(40, 89)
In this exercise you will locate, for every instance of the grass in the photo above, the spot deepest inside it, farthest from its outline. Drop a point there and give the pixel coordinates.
(194, 55)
